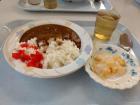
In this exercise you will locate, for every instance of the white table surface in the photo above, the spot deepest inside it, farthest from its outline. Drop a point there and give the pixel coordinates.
(129, 10)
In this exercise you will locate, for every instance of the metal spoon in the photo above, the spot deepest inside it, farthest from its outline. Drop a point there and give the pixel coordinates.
(126, 43)
(97, 4)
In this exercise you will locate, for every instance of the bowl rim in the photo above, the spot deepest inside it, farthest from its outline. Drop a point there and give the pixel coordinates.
(123, 79)
(72, 67)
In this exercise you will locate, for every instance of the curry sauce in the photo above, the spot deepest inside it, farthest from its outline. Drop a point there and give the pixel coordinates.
(45, 32)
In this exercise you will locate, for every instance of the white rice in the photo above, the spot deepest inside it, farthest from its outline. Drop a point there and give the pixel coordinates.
(60, 55)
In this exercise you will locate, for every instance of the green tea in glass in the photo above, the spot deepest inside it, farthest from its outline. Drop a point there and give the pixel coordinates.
(106, 22)
(50, 4)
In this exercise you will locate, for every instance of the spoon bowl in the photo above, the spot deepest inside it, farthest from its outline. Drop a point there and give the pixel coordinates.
(126, 43)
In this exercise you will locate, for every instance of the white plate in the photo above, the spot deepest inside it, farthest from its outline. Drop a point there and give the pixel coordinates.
(85, 51)
(128, 80)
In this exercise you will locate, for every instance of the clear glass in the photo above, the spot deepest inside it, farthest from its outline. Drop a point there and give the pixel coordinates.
(50, 4)
(106, 22)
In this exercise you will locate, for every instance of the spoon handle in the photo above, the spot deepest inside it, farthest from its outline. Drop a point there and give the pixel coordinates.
(132, 53)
